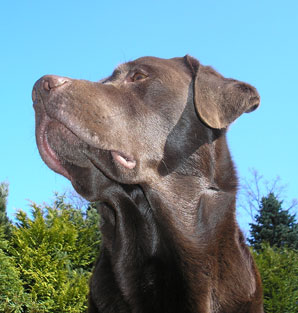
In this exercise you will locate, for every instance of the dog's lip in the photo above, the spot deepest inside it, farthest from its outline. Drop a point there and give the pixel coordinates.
(124, 159)
(48, 155)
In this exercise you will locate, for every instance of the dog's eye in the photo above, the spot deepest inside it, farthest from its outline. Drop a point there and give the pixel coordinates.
(138, 76)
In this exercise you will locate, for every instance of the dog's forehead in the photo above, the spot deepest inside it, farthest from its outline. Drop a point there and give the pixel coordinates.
(151, 62)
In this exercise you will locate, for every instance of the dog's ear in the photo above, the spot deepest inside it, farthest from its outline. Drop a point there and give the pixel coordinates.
(218, 100)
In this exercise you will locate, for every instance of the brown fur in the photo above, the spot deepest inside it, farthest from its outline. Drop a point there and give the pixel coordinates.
(148, 144)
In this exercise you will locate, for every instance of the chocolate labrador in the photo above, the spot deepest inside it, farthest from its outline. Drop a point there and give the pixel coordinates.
(149, 145)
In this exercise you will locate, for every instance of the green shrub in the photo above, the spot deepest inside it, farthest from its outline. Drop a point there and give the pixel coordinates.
(49, 260)
(12, 296)
(279, 272)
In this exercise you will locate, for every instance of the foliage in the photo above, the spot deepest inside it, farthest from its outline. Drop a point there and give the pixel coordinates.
(273, 225)
(12, 294)
(279, 272)
(274, 237)
(47, 263)
(255, 187)
(46, 259)
(4, 221)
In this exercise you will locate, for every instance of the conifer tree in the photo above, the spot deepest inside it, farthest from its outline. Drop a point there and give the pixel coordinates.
(12, 295)
(273, 225)
(5, 223)
(53, 253)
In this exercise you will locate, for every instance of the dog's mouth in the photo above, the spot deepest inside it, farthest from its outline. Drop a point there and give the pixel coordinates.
(62, 149)
(49, 156)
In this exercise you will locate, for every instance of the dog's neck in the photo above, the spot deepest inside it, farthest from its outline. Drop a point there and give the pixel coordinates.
(198, 208)
(178, 195)
(153, 231)
(178, 199)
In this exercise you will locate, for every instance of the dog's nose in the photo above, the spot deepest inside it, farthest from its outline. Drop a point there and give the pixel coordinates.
(50, 82)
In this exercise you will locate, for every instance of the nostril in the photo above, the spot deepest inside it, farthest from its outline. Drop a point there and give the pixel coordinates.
(51, 82)
(46, 85)
(33, 95)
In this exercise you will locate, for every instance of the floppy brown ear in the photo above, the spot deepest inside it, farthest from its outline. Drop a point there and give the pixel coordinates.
(218, 100)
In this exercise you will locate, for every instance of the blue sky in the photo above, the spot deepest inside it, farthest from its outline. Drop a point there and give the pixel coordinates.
(255, 41)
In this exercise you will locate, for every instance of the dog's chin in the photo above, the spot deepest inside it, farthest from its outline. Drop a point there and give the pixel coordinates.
(88, 182)
(66, 154)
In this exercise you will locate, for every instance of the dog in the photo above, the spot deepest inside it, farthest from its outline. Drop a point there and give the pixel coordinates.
(148, 144)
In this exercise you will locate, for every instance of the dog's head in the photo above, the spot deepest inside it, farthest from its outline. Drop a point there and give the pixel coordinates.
(138, 124)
